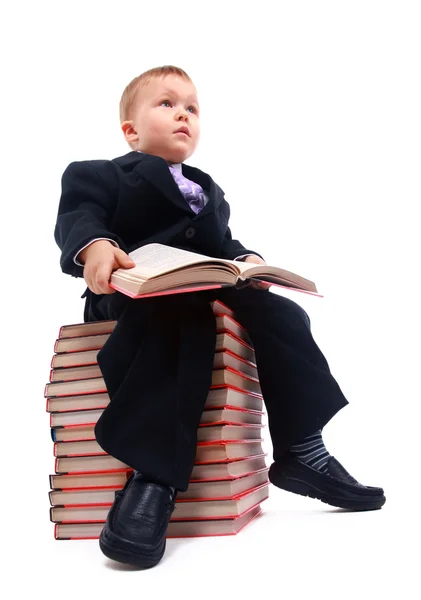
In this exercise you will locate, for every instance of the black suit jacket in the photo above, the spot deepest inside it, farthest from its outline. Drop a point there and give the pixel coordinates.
(157, 363)
(134, 200)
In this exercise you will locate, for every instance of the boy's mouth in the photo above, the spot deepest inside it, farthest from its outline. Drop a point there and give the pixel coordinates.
(184, 131)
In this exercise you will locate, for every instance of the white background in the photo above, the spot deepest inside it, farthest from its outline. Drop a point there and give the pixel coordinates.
(311, 126)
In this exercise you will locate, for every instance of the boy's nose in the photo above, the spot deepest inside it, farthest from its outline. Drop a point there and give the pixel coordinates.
(182, 113)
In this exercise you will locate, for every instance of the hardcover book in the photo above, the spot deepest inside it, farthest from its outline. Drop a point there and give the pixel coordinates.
(163, 269)
(211, 527)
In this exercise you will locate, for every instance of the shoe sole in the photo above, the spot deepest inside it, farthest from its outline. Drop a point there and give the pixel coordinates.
(297, 486)
(128, 557)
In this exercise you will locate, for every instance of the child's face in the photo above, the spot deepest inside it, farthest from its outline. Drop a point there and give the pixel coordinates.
(165, 104)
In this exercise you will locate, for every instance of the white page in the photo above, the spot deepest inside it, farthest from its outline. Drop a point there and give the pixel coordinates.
(155, 259)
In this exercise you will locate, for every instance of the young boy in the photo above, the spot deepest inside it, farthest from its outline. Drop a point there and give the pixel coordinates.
(157, 363)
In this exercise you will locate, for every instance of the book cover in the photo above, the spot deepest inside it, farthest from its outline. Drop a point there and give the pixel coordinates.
(208, 490)
(225, 341)
(222, 359)
(116, 480)
(177, 529)
(191, 509)
(70, 410)
(96, 385)
(163, 269)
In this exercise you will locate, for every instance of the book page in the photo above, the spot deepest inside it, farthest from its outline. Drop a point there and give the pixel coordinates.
(272, 274)
(153, 260)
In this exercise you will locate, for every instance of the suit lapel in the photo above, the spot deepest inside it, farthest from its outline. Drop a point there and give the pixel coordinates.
(155, 170)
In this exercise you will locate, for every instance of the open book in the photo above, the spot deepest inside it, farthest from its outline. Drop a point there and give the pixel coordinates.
(163, 270)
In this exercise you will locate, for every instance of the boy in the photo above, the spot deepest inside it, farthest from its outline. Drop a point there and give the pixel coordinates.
(157, 363)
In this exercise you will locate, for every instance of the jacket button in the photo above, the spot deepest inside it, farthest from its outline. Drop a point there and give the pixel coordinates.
(190, 232)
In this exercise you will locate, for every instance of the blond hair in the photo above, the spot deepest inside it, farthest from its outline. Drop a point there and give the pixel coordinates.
(131, 92)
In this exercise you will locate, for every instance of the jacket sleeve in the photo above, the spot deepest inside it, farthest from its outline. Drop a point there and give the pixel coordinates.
(231, 249)
(87, 205)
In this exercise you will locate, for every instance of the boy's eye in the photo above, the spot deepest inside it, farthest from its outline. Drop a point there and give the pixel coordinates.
(169, 102)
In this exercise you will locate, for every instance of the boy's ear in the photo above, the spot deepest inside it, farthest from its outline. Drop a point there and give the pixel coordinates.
(129, 132)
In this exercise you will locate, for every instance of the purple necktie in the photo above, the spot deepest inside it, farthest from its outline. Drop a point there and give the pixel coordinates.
(192, 191)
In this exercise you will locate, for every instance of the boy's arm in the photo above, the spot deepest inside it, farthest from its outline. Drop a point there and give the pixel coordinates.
(232, 249)
(76, 259)
(87, 205)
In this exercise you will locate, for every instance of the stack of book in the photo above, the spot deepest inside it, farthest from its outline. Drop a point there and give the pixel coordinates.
(229, 478)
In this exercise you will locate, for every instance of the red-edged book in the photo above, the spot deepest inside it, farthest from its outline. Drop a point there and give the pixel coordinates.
(103, 327)
(225, 341)
(80, 440)
(90, 464)
(164, 269)
(209, 490)
(185, 510)
(116, 480)
(226, 415)
(206, 452)
(90, 481)
(221, 360)
(96, 385)
(176, 529)
(222, 397)
(224, 324)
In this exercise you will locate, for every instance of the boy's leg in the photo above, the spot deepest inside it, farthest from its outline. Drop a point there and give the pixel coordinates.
(301, 396)
(157, 366)
(299, 391)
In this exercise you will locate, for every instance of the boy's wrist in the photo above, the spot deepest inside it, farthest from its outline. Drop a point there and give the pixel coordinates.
(83, 255)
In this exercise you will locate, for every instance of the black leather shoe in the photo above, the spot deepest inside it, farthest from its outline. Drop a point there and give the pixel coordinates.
(136, 527)
(335, 487)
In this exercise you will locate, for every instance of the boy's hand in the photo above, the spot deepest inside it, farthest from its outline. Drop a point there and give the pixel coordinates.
(100, 259)
(260, 285)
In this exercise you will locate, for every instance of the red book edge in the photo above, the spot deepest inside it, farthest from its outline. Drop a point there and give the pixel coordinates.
(92, 364)
(74, 426)
(236, 372)
(216, 302)
(224, 442)
(119, 470)
(216, 407)
(168, 292)
(258, 513)
(224, 306)
(231, 353)
(63, 369)
(110, 489)
(63, 327)
(104, 389)
(128, 471)
(236, 497)
(69, 410)
(237, 408)
(93, 488)
(219, 518)
(229, 423)
(76, 455)
(236, 389)
(88, 349)
(96, 391)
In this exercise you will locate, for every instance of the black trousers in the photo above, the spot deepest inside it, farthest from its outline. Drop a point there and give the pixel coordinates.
(158, 366)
